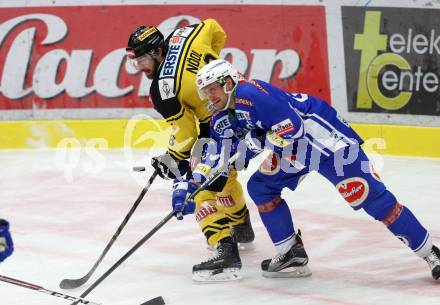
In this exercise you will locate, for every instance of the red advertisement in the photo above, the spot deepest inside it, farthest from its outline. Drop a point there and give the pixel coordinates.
(74, 57)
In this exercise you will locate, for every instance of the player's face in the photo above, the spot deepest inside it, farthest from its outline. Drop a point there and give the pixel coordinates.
(216, 95)
(146, 64)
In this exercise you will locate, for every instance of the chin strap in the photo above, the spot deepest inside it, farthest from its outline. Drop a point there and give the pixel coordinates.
(229, 93)
(228, 102)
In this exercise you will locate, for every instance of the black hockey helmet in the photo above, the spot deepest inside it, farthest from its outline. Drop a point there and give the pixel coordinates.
(144, 40)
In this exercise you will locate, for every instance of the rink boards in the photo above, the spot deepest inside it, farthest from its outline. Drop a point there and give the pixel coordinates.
(103, 134)
(61, 86)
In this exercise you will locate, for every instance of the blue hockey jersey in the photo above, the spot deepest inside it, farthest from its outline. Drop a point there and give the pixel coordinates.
(304, 122)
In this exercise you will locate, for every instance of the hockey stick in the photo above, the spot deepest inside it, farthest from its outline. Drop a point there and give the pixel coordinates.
(155, 301)
(75, 283)
(204, 185)
(43, 290)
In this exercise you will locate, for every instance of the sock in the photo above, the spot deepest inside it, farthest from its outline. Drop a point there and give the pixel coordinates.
(277, 219)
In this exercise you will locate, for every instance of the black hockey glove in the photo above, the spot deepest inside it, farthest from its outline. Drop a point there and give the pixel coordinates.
(168, 168)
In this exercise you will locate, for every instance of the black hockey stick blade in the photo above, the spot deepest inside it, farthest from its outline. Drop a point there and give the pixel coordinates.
(139, 168)
(75, 283)
(156, 301)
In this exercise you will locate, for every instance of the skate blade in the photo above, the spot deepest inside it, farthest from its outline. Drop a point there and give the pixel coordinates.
(215, 276)
(241, 246)
(246, 246)
(290, 272)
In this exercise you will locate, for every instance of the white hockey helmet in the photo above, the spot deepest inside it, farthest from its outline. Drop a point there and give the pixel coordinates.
(216, 71)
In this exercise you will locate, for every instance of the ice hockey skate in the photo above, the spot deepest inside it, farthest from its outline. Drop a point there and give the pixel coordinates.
(291, 264)
(244, 234)
(433, 260)
(224, 266)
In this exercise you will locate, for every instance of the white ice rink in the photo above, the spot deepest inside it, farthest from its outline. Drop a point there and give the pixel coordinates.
(61, 220)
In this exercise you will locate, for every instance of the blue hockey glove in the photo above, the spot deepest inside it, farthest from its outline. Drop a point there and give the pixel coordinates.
(6, 245)
(182, 189)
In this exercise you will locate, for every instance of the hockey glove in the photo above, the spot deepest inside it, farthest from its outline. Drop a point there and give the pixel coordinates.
(168, 168)
(6, 245)
(182, 189)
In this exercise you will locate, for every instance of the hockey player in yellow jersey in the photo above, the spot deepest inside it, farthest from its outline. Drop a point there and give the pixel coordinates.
(172, 65)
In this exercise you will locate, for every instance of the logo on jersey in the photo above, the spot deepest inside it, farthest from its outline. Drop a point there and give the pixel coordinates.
(183, 32)
(205, 211)
(226, 201)
(244, 116)
(174, 50)
(175, 40)
(283, 127)
(221, 124)
(243, 102)
(166, 88)
(354, 190)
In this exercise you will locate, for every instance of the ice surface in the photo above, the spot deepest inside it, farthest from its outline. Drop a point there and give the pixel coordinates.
(62, 218)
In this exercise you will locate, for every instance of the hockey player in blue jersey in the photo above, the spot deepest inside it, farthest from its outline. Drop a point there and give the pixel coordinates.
(305, 134)
(6, 245)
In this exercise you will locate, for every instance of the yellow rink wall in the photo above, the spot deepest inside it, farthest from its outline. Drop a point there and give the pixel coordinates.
(401, 140)
(384, 139)
(51, 133)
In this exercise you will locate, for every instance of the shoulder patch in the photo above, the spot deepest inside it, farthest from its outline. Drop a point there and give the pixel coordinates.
(283, 127)
(183, 32)
(166, 88)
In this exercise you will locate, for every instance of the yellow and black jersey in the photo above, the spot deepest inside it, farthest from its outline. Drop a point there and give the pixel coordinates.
(173, 90)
